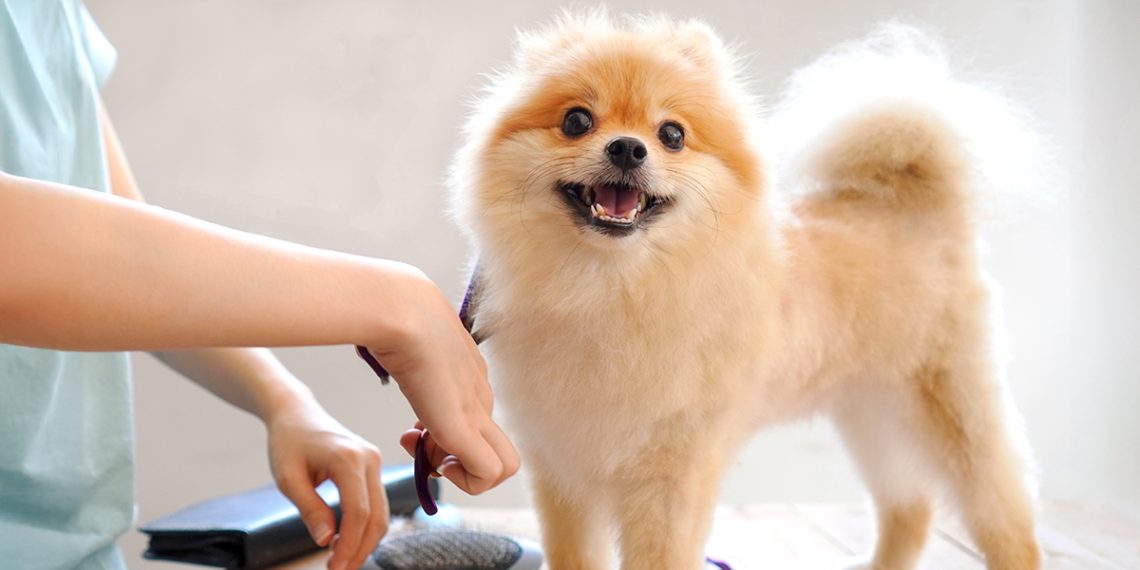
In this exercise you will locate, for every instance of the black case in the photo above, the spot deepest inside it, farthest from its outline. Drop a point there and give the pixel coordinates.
(258, 528)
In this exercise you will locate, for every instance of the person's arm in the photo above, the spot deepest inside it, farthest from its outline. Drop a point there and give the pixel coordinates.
(85, 271)
(306, 445)
(430, 356)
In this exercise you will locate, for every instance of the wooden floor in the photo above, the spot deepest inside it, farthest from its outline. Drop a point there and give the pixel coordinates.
(795, 537)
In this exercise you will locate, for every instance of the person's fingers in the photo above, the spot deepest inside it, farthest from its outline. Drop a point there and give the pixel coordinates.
(298, 487)
(414, 433)
(436, 454)
(378, 520)
(452, 469)
(505, 450)
(474, 466)
(460, 435)
(455, 469)
(355, 511)
(408, 441)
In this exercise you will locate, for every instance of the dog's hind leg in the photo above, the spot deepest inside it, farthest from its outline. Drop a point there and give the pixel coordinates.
(963, 414)
(896, 471)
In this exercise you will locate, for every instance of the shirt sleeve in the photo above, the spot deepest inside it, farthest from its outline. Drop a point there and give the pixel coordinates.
(101, 55)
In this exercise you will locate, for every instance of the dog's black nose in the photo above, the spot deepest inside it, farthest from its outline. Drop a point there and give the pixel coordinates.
(626, 153)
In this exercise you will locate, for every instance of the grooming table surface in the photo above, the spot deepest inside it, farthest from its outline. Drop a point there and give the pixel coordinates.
(825, 537)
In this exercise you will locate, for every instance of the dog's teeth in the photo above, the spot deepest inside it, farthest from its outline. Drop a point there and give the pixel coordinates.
(598, 210)
(642, 200)
(632, 214)
(587, 195)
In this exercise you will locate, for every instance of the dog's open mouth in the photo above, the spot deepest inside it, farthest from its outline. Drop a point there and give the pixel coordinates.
(612, 208)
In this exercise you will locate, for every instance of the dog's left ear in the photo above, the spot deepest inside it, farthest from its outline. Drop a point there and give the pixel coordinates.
(535, 49)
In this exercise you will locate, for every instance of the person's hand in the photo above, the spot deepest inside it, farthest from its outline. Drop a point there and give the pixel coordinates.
(443, 376)
(307, 447)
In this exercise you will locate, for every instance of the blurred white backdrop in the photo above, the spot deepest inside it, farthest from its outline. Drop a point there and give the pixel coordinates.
(332, 124)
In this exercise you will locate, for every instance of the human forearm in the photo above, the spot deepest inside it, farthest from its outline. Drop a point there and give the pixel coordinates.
(249, 378)
(86, 271)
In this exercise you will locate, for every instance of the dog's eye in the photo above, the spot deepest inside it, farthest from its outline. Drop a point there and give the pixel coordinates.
(576, 122)
(671, 135)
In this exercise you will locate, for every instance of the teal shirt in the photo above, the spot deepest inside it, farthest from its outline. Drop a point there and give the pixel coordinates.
(66, 439)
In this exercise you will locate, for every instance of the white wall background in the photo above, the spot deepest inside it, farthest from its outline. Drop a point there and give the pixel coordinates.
(331, 123)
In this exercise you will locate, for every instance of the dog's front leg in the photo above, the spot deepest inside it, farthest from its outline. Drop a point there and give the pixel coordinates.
(665, 506)
(574, 528)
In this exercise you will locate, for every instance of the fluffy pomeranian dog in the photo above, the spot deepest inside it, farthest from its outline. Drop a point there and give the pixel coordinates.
(655, 287)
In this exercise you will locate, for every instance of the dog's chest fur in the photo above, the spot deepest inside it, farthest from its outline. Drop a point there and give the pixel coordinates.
(586, 389)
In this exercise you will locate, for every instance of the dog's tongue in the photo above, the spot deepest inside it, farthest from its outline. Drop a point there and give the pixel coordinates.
(617, 201)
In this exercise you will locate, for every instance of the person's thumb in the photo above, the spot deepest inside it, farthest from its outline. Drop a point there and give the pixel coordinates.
(318, 517)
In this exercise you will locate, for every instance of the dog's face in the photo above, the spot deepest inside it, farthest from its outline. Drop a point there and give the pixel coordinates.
(617, 188)
(610, 136)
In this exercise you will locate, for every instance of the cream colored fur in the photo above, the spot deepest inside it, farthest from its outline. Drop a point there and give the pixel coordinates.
(633, 369)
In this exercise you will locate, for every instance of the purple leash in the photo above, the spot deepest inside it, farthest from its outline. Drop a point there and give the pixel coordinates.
(422, 463)
(718, 563)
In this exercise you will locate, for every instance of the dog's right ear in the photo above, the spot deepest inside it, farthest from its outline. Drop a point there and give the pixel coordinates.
(701, 45)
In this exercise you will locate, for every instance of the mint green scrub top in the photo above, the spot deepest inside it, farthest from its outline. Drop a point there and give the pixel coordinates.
(66, 439)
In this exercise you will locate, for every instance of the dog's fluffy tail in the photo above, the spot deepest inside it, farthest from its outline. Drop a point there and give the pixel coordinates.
(882, 118)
